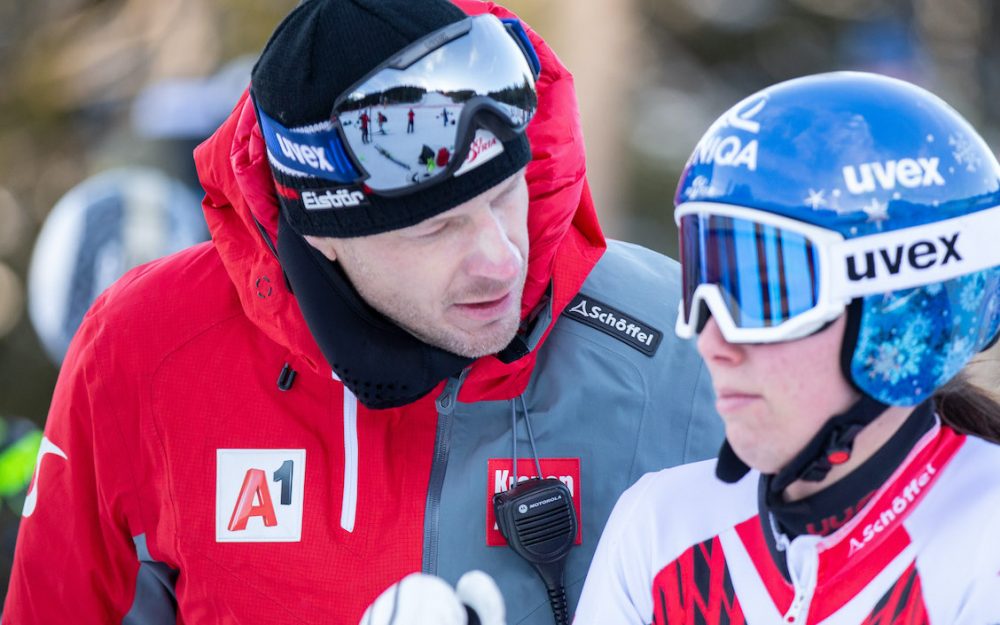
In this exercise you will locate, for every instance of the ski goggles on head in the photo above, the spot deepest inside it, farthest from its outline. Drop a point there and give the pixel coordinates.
(766, 278)
(436, 109)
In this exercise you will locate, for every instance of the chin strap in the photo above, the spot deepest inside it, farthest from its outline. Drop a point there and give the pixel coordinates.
(831, 446)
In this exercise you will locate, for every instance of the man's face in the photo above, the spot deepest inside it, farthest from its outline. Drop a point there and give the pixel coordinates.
(453, 280)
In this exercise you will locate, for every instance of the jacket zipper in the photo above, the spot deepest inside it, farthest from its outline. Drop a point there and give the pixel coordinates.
(445, 404)
(803, 564)
(349, 505)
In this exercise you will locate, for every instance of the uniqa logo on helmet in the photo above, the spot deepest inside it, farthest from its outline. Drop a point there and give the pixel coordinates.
(729, 150)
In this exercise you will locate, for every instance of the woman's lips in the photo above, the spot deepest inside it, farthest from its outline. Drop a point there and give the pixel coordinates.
(732, 401)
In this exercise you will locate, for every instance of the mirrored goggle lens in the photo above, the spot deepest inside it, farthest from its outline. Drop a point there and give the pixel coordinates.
(401, 124)
(766, 275)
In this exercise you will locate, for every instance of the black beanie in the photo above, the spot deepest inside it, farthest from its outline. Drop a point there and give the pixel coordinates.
(320, 50)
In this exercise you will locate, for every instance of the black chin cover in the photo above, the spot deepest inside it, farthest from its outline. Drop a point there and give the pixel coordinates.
(382, 364)
(729, 468)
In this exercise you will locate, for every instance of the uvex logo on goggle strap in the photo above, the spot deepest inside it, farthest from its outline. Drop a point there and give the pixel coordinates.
(311, 151)
(918, 255)
(910, 257)
(614, 322)
(309, 155)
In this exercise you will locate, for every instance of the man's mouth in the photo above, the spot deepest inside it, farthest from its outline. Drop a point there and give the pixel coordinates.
(489, 308)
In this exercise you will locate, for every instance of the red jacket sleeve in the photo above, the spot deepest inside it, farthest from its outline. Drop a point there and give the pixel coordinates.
(75, 560)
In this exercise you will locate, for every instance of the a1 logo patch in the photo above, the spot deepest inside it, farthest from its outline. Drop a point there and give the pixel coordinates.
(500, 477)
(258, 495)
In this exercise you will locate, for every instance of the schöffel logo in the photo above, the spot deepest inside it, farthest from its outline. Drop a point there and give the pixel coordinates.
(342, 198)
(309, 155)
(908, 172)
(614, 322)
(894, 510)
(919, 255)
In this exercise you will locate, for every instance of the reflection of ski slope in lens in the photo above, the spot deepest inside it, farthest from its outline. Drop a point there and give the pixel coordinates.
(392, 159)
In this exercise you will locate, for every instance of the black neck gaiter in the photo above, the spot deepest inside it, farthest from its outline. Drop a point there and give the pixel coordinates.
(382, 364)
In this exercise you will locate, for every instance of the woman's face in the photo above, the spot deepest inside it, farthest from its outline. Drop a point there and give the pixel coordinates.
(774, 397)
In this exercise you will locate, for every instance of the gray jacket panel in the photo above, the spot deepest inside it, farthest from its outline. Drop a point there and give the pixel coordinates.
(155, 601)
(594, 397)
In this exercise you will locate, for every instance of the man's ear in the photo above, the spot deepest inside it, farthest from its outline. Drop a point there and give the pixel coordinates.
(323, 244)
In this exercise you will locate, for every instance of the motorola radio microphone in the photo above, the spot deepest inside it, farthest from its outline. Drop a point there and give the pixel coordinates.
(538, 520)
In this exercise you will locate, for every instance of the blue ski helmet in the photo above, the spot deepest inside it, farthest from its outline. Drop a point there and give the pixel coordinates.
(869, 158)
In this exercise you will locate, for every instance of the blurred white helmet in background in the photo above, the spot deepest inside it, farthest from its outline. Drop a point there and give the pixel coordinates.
(98, 230)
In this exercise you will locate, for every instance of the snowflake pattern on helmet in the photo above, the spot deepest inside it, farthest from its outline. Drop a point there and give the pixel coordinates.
(972, 292)
(913, 341)
(965, 152)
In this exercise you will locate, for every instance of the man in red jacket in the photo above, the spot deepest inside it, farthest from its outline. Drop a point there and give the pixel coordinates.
(279, 424)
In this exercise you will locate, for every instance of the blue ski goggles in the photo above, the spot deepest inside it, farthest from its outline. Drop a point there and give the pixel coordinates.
(438, 108)
(752, 273)
(766, 278)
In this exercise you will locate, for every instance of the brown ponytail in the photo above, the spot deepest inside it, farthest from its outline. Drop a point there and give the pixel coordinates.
(970, 402)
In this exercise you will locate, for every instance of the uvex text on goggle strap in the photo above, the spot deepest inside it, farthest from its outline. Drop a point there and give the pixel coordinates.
(411, 121)
(765, 278)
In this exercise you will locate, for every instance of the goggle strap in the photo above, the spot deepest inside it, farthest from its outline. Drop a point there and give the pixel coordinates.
(516, 29)
(316, 151)
(916, 256)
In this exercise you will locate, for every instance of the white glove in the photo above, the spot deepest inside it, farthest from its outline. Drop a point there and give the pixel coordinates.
(420, 599)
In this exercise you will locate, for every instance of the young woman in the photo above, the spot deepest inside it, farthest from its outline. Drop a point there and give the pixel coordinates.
(838, 244)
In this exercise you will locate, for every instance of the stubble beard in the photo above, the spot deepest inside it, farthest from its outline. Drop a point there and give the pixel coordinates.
(489, 340)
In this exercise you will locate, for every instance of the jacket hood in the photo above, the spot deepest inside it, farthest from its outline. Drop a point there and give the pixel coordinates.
(241, 209)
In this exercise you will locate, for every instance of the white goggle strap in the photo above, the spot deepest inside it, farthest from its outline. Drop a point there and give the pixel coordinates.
(916, 256)
(852, 268)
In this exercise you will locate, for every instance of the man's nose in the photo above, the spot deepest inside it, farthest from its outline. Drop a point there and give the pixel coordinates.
(494, 254)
